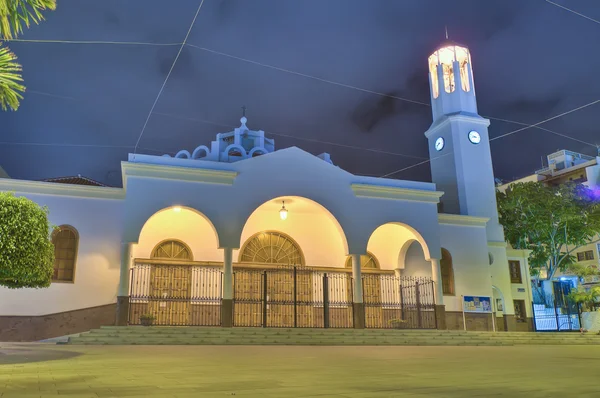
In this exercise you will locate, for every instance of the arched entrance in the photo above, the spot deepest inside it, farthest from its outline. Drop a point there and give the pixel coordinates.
(291, 267)
(402, 295)
(166, 283)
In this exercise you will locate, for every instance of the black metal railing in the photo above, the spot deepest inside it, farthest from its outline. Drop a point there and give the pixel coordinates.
(285, 296)
(177, 295)
(292, 297)
(398, 302)
(556, 316)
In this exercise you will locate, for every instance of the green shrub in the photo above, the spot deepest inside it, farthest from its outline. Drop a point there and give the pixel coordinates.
(26, 251)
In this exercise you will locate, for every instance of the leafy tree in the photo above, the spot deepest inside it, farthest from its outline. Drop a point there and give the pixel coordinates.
(582, 270)
(552, 222)
(14, 15)
(26, 252)
(588, 298)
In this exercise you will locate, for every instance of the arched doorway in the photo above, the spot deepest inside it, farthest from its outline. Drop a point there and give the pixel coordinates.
(279, 280)
(402, 295)
(166, 282)
(286, 285)
(498, 307)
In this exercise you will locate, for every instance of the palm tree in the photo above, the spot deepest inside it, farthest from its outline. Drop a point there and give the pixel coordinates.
(14, 15)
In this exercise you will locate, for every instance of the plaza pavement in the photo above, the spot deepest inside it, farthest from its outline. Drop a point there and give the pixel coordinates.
(46, 370)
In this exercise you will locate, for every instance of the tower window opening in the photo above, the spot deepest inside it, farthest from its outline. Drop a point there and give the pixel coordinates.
(446, 58)
(464, 62)
(433, 75)
(448, 78)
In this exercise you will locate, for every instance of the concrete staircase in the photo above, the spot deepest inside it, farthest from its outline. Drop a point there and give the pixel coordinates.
(138, 335)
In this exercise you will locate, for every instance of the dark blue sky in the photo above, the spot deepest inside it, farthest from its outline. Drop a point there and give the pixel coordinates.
(87, 103)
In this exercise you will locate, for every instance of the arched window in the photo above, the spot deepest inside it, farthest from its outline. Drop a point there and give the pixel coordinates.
(447, 273)
(172, 249)
(271, 247)
(66, 241)
(368, 261)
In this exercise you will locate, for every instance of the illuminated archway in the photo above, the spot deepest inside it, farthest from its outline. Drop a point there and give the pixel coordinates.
(391, 243)
(314, 229)
(184, 224)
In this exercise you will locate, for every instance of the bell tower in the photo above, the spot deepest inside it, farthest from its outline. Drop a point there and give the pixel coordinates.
(459, 148)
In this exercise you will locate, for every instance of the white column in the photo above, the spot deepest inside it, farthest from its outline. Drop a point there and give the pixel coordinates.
(397, 272)
(436, 275)
(125, 270)
(227, 273)
(356, 275)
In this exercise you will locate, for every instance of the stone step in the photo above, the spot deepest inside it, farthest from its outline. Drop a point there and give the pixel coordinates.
(295, 340)
(184, 329)
(341, 337)
(138, 335)
(324, 330)
(302, 332)
(328, 342)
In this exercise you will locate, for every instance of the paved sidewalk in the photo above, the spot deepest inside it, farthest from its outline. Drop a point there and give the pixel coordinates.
(43, 370)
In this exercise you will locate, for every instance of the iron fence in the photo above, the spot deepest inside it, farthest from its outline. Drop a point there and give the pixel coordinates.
(555, 316)
(398, 302)
(292, 297)
(178, 295)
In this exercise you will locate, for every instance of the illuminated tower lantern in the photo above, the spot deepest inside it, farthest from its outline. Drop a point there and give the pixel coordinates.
(459, 149)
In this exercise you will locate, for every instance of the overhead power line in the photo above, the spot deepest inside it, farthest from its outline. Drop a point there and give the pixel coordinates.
(121, 43)
(306, 76)
(546, 120)
(167, 78)
(499, 137)
(295, 137)
(573, 11)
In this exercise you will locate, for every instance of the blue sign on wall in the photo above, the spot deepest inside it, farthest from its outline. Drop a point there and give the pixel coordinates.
(480, 304)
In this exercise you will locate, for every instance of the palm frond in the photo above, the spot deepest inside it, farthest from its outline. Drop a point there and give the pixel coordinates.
(10, 80)
(14, 14)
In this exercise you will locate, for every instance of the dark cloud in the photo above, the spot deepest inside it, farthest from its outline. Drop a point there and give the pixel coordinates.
(377, 109)
(184, 68)
(532, 60)
(374, 110)
(112, 19)
(532, 107)
(225, 9)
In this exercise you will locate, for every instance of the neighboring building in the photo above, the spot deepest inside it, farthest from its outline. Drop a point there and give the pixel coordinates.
(563, 167)
(241, 234)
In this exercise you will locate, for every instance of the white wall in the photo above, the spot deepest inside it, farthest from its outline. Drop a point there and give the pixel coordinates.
(468, 247)
(98, 222)
(287, 172)
(415, 264)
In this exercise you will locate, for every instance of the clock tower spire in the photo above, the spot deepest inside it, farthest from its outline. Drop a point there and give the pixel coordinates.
(459, 148)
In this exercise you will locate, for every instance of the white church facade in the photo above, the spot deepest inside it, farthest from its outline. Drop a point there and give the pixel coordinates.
(241, 234)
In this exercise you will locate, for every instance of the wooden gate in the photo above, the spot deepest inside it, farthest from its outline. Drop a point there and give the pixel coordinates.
(292, 296)
(177, 295)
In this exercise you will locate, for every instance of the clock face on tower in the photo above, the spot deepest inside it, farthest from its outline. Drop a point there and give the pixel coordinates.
(474, 137)
(439, 144)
